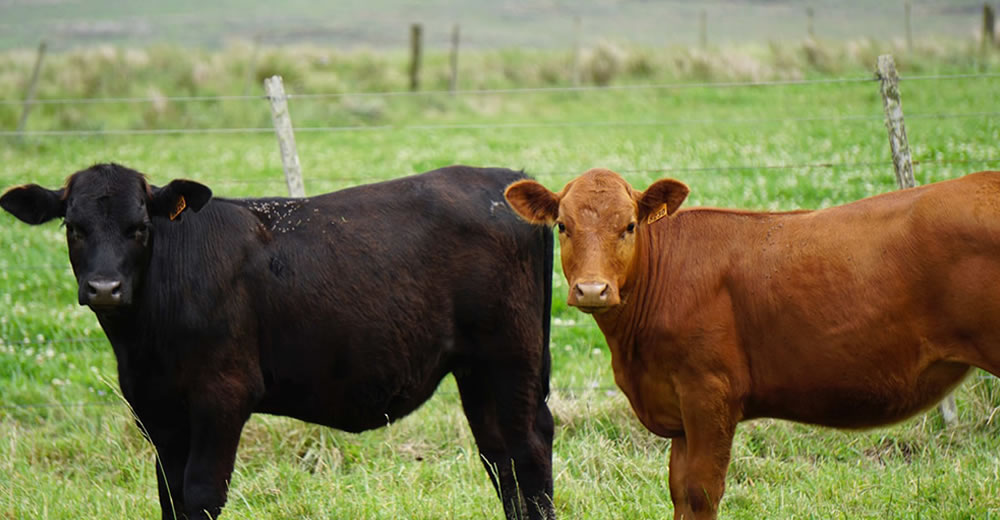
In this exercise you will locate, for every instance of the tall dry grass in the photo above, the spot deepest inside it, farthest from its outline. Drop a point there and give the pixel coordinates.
(160, 72)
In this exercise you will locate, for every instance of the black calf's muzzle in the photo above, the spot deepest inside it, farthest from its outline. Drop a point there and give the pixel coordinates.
(101, 292)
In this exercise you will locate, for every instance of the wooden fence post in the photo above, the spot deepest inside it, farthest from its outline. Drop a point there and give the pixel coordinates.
(903, 164)
(577, 51)
(453, 84)
(703, 28)
(811, 23)
(416, 31)
(988, 25)
(893, 106)
(29, 98)
(275, 90)
(252, 64)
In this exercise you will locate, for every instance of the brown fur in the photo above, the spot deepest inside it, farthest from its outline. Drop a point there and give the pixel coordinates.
(851, 317)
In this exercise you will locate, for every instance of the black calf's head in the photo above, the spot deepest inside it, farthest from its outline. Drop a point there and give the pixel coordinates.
(108, 212)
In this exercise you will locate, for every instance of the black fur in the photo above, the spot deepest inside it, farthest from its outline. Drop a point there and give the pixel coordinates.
(343, 309)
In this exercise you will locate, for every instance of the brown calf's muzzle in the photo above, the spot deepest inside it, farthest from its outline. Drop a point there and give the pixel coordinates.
(593, 296)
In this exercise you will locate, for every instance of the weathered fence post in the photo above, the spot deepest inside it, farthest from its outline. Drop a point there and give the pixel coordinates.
(811, 23)
(275, 90)
(416, 31)
(703, 28)
(903, 164)
(29, 98)
(894, 121)
(577, 51)
(453, 84)
(988, 25)
(252, 64)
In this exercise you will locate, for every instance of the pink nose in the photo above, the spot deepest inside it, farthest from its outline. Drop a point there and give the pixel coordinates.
(592, 294)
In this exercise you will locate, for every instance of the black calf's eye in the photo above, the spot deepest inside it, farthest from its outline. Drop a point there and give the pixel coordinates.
(138, 231)
(631, 227)
(73, 232)
(562, 227)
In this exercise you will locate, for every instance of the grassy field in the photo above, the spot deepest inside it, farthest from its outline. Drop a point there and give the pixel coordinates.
(69, 448)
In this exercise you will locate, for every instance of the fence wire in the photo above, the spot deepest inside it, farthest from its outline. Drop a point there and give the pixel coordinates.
(488, 126)
(348, 181)
(426, 93)
(484, 126)
(481, 92)
(569, 392)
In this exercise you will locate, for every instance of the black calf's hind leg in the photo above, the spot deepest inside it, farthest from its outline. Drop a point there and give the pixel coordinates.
(513, 430)
(538, 455)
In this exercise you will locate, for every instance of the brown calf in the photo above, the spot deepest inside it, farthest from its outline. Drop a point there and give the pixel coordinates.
(852, 317)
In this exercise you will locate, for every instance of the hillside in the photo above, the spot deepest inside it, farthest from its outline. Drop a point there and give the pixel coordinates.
(485, 23)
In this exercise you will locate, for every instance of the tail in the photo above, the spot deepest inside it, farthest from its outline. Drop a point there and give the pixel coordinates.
(547, 260)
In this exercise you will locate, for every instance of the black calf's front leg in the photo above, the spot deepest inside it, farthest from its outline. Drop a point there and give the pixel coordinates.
(214, 438)
(194, 461)
(171, 446)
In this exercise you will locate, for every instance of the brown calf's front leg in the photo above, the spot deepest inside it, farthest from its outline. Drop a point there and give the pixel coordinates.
(699, 460)
(678, 478)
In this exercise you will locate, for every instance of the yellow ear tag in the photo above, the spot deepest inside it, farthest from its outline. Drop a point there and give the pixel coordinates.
(181, 204)
(660, 213)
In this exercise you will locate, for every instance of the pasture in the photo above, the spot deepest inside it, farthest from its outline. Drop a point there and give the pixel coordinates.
(70, 449)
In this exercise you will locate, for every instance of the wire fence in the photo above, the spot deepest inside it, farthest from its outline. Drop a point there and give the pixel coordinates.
(485, 126)
(567, 393)
(480, 92)
(570, 392)
(62, 266)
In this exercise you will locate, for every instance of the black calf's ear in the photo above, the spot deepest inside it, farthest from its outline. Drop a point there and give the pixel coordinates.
(34, 204)
(179, 196)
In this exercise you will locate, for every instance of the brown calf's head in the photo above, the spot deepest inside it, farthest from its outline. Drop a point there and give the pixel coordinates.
(108, 213)
(597, 215)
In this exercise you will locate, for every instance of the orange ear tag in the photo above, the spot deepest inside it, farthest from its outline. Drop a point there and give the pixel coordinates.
(181, 204)
(660, 213)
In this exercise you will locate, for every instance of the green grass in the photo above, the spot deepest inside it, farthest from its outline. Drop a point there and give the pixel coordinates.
(90, 461)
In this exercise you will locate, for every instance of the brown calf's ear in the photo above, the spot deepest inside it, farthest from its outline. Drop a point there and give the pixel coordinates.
(663, 195)
(34, 204)
(533, 202)
(179, 196)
